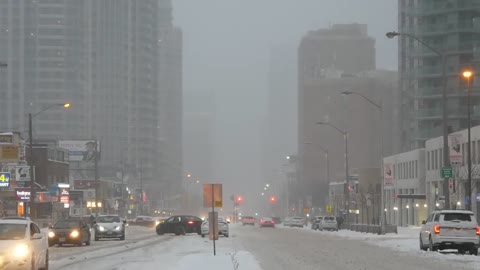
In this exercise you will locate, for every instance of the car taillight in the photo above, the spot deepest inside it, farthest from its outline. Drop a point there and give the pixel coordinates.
(273, 222)
(190, 222)
(436, 229)
(478, 230)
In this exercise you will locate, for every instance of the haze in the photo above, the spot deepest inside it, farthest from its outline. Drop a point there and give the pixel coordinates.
(226, 52)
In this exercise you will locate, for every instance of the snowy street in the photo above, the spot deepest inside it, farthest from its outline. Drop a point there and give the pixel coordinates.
(252, 248)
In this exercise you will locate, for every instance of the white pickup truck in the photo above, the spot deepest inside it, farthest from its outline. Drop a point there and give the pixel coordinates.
(450, 229)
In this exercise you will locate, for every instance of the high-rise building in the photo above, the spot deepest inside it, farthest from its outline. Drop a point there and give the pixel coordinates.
(104, 57)
(452, 28)
(331, 61)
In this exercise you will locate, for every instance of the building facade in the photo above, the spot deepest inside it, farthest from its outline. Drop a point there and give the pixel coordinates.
(104, 57)
(405, 197)
(451, 27)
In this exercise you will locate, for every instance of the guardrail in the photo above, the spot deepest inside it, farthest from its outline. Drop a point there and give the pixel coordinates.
(365, 228)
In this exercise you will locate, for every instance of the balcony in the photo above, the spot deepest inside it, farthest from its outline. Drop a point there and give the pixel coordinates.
(422, 51)
(440, 8)
(453, 113)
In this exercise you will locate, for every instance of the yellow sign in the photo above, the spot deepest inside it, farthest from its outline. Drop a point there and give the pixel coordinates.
(212, 193)
(328, 209)
(4, 179)
(218, 204)
(9, 152)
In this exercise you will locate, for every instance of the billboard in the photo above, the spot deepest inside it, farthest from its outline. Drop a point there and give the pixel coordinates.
(388, 175)
(455, 149)
(23, 194)
(82, 157)
(22, 173)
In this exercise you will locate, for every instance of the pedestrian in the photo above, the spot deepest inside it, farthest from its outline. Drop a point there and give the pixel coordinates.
(339, 221)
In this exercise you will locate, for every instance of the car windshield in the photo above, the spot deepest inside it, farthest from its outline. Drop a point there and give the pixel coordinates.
(329, 218)
(108, 219)
(457, 217)
(66, 224)
(12, 231)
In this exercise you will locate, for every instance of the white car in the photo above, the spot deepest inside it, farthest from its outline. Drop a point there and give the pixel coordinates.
(296, 222)
(329, 223)
(22, 245)
(222, 227)
(109, 226)
(450, 229)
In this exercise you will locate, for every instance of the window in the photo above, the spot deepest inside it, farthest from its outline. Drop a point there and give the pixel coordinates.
(457, 217)
(416, 169)
(474, 154)
(435, 164)
(34, 229)
(430, 218)
(428, 160)
(437, 217)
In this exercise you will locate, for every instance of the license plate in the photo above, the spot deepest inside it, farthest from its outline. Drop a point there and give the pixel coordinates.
(62, 239)
(109, 232)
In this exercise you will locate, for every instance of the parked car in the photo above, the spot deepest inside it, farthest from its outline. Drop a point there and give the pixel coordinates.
(109, 226)
(450, 229)
(266, 222)
(222, 228)
(145, 221)
(329, 223)
(287, 221)
(26, 246)
(316, 222)
(69, 231)
(180, 225)
(248, 220)
(297, 222)
(277, 220)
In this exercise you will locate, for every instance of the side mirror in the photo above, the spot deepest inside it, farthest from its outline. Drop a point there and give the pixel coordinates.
(36, 236)
(424, 222)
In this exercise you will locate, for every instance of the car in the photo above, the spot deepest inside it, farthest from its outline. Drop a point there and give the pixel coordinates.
(450, 229)
(69, 231)
(329, 223)
(222, 227)
(297, 222)
(145, 221)
(277, 220)
(109, 226)
(287, 221)
(266, 222)
(248, 220)
(316, 222)
(180, 225)
(22, 245)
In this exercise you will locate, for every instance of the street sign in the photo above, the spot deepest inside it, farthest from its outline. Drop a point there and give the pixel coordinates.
(215, 191)
(446, 172)
(328, 209)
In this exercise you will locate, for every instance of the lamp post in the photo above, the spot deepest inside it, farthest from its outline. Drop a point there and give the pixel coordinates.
(446, 156)
(347, 175)
(467, 74)
(379, 106)
(30, 147)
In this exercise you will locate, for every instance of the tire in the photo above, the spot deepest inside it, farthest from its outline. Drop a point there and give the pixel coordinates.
(159, 231)
(474, 251)
(88, 241)
(180, 231)
(461, 251)
(226, 235)
(422, 246)
(123, 237)
(431, 247)
(203, 235)
(96, 237)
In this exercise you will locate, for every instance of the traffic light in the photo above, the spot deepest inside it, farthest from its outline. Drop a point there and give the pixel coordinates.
(273, 199)
(239, 199)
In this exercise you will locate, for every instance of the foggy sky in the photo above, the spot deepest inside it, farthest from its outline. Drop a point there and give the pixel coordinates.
(226, 50)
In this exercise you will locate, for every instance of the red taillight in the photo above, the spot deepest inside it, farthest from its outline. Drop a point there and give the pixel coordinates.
(478, 230)
(436, 229)
(273, 222)
(190, 222)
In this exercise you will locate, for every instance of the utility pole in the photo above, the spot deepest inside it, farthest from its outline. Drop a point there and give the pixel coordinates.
(97, 182)
(141, 193)
(30, 161)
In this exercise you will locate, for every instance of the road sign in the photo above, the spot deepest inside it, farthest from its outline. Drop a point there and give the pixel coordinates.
(214, 190)
(328, 209)
(446, 172)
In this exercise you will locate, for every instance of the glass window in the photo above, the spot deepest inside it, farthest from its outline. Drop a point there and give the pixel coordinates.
(457, 217)
(428, 160)
(12, 231)
(437, 217)
(416, 169)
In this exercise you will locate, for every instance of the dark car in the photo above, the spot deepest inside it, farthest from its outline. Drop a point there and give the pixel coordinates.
(180, 225)
(69, 231)
(109, 226)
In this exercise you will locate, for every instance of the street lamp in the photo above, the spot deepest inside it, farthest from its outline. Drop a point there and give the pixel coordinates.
(380, 110)
(30, 147)
(347, 176)
(467, 74)
(446, 156)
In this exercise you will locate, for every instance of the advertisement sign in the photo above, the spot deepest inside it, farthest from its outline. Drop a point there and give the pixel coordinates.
(81, 150)
(9, 153)
(455, 149)
(388, 175)
(4, 179)
(23, 194)
(212, 191)
(6, 138)
(22, 173)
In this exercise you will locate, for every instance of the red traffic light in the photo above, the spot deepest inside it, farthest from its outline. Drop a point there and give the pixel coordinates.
(239, 199)
(273, 199)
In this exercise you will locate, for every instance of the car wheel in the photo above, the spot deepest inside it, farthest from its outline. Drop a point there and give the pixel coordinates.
(422, 246)
(159, 231)
(123, 237)
(431, 246)
(88, 241)
(474, 251)
(96, 237)
(180, 231)
(226, 235)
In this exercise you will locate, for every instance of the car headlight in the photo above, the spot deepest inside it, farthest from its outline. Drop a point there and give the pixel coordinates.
(100, 228)
(74, 234)
(21, 251)
(157, 222)
(51, 234)
(118, 228)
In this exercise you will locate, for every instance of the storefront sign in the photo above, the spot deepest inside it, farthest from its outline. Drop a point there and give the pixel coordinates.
(4, 180)
(23, 194)
(6, 138)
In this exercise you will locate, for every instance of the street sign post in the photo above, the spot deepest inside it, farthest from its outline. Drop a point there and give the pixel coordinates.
(446, 172)
(212, 197)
